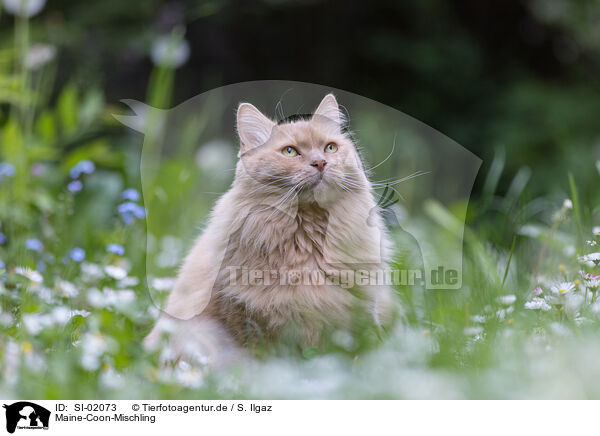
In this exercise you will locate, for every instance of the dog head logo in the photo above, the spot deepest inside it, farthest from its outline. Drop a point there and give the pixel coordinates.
(26, 415)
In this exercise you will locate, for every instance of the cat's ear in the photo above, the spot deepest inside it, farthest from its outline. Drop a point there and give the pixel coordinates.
(330, 109)
(253, 127)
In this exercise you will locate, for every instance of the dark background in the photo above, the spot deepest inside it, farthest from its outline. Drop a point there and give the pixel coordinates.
(514, 77)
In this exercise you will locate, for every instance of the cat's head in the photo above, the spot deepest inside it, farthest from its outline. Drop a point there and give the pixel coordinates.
(311, 155)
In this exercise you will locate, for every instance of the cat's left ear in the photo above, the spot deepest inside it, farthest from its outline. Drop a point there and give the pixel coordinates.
(253, 127)
(330, 109)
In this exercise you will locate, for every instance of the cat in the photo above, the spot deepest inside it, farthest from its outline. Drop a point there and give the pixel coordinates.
(301, 202)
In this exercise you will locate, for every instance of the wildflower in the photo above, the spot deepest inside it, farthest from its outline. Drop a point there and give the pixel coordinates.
(116, 272)
(111, 379)
(24, 8)
(188, 376)
(91, 271)
(61, 315)
(163, 283)
(27, 347)
(473, 330)
(507, 300)
(129, 211)
(82, 167)
(168, 52)
(116, 249)
(6, 170)
(37, 170)
(538, 304)
(77, 254)
(67, 288)
(34, 244)
(563, 288)
(39, 55)
(110, 298)
(592, 259)
(75, 186)
(568, 204)
(596, 231)
(6, 319)
(34, 323)
(592, 283)
(131, 194)
(537, 291)
(32, 275)
(2, 238)
(93, 346)
(128, 281)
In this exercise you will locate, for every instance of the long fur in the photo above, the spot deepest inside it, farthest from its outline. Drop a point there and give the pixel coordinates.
(281, 214)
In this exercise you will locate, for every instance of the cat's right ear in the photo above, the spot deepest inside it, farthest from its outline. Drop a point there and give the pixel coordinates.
(253, 127)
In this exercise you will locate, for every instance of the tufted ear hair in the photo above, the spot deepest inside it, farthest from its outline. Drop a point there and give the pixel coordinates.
(253, 127)
(330, 109)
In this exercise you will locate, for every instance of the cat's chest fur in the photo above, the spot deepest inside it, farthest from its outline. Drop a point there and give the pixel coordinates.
(273, 274)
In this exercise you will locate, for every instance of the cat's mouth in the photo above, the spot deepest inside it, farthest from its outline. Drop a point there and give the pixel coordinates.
(316, 180)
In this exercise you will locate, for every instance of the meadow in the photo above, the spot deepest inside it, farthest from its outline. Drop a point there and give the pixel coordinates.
(74, 289)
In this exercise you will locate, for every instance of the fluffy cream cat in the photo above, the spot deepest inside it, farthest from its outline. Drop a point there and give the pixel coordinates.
(279, 256)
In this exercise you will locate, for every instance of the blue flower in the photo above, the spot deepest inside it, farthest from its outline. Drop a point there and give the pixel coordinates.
(131, 194)
(75, 186)
(2, 238)
(6, 170)
(77, 254)
(2, 265)
(34, 244)
(130, 211)
(82, 167)
(116, 249)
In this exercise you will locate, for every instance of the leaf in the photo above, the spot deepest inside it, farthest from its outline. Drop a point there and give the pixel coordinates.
(46, 127)
(68, 107)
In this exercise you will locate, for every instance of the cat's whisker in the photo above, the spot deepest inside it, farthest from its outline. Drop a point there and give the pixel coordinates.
(386, 159)
(283, 199)
(385, 182)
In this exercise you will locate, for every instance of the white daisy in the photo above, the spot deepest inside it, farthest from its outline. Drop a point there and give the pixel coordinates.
(67, 288)
(563, 288)
(507, 300)
(538, 304)
(592, 259)
(32, 275)
(116, 272)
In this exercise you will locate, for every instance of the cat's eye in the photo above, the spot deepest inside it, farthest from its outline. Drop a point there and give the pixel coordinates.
(290, 151)
(331, 148)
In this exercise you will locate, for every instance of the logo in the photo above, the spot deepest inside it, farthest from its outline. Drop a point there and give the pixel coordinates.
(26, 415)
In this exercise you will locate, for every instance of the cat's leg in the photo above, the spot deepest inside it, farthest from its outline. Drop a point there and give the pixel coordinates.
(192, 332)
(201, 342)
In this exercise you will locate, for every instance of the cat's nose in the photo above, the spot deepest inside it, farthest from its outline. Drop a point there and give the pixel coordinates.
(319, 164)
